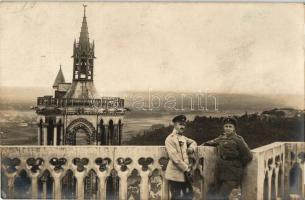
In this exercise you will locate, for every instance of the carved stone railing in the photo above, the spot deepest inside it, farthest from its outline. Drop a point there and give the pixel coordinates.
(134, 172)
(276, 172)
(137, 172)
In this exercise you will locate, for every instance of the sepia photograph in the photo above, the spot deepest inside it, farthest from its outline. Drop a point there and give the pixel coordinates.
(152, 100)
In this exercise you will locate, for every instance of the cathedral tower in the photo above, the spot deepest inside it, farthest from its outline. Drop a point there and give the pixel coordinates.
(77, 114)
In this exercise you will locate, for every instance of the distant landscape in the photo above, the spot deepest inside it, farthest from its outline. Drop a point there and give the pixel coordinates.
(148, 113)
(257, 129)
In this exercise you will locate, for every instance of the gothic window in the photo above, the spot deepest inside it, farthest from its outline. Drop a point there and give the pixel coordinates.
(91, 182)
(45, 185)
(112, 185)
(22, 186)
(68, 183)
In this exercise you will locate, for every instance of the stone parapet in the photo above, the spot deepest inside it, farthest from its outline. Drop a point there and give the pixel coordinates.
(137, 172)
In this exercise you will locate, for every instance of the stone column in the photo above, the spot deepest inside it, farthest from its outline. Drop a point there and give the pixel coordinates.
(144, 185)
(44, 190)
(123, 184)
(57, 188)
(55, 135)
(253, 179)
(10, 182)
(80, 184)
(276, 182)
(165, 190)
(45, 134)
(102, 184)
(269, 183)
(34, 178)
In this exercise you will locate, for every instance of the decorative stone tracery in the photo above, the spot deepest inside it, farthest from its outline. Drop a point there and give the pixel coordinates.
(138, 172)
(77, 124)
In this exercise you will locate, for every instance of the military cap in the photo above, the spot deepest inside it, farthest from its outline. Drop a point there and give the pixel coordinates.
(230, 120)
(179, 118)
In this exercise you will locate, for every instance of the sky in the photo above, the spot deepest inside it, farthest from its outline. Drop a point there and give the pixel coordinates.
(214, 47)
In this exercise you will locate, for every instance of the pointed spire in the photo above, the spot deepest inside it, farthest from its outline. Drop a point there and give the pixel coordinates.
(84, 10)
(84, 34)
(59, 78)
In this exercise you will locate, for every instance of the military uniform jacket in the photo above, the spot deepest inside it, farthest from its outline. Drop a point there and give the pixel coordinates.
(176, 146)
(233, 154)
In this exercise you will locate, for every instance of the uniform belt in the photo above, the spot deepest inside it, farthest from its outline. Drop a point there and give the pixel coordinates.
(228, 159)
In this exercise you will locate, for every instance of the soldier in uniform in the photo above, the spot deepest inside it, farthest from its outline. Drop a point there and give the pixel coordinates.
(233, 155)
(178, 171)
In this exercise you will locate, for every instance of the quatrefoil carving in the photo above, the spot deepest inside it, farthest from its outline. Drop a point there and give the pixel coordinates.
(123, 162)
(34, 163)
(145, 162)
(58, 163)
(102, 163)
(80, 163)
(11, 164)
(163, 161)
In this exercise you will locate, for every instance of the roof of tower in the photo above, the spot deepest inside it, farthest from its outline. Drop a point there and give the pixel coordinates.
(82, 90)
(84, 34)
(59, 78)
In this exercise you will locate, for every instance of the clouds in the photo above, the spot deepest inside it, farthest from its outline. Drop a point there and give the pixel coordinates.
(240, 48)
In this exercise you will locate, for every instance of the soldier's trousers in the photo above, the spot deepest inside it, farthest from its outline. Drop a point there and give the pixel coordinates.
(180, 190)
(226, 187)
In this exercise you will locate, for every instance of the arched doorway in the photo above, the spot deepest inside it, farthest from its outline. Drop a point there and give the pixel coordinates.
(80, 132)
(82, 137)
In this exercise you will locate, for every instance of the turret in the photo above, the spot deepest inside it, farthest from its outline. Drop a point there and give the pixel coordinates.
(83, 54)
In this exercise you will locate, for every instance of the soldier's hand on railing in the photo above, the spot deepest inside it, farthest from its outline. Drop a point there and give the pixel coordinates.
(188, 176)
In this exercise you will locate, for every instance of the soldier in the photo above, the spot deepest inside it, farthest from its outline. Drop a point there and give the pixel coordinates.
(178, 171)
(233, 155)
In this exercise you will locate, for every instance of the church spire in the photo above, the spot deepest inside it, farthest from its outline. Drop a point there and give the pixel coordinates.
(83, 54)
(59, 78)
(84, 34)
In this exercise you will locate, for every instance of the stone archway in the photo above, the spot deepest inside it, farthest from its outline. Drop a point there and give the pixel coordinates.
(80, 132)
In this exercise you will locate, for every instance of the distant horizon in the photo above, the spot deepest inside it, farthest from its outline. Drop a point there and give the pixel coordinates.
(11, 94)
(159, 90)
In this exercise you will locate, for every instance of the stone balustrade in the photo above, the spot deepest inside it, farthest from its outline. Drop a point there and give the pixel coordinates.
(104, 102)
(276, 172)
(137, 172)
